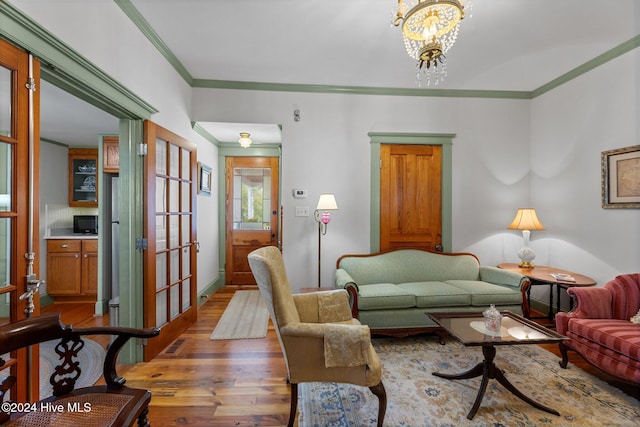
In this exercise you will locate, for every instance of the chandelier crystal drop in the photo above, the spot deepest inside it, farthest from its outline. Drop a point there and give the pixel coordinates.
(429, 29)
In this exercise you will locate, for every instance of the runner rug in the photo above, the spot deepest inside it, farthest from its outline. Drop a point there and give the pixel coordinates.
(90, 359)
(417, 398)
(246, 316)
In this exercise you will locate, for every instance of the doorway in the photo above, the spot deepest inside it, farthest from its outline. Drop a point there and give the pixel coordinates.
(252, 206)
(445, 141)
(411, 197)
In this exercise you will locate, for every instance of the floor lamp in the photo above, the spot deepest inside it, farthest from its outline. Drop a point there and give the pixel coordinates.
(326, 203)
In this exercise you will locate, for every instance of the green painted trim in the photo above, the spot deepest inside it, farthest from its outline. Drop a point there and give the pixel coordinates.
(588, 66)
(52, 142)
(66, 68)
(443, 139)
(142, 24)
(230, 149)
(46, 300)
(211, 289)
(359, 90)
(204, 133)
(131, 202)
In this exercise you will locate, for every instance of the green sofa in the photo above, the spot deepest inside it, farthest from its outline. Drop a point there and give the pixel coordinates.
(391, 291)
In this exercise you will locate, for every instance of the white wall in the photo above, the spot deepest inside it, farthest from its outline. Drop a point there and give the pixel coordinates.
(100, 31)
(507, 153)
(571, 126)
(328, 150)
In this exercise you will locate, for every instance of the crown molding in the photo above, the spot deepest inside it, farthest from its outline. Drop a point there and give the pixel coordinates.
(136, 17)
(66, 68)
(146, 29)
(358, 90)
(599, 60)
(204, 133)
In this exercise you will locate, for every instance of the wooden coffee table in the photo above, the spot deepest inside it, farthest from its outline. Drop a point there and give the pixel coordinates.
(516, 330)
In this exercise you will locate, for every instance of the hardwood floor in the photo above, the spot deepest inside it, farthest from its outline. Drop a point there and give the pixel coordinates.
(200, 382)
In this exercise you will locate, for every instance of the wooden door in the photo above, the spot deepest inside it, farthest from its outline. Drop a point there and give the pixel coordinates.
(251, 213)
(410, 197)
(19, 182)
(170, 279)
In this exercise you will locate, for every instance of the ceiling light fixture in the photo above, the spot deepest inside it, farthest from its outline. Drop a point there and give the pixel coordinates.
(244, 140)
(429, 29)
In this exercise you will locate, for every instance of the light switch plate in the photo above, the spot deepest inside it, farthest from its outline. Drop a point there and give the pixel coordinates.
(302, 211)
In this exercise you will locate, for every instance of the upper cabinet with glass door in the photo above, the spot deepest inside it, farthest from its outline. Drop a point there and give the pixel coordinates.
(83, 177)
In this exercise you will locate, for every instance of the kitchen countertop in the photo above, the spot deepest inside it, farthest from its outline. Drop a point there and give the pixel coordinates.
(67, 233)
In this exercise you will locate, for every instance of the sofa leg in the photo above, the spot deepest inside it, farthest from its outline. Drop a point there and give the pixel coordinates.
(294, 404)
(565, 356)
(381, 393)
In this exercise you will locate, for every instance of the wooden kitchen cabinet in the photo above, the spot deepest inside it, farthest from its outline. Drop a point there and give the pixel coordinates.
(83, 177)
(110, 154)
(72, 269)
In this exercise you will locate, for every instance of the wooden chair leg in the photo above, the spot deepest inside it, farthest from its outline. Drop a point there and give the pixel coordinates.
(565, 356)
(143, 418)
(294, 404)
(381, 393)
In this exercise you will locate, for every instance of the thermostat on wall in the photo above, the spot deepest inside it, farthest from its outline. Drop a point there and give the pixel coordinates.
(299, 193)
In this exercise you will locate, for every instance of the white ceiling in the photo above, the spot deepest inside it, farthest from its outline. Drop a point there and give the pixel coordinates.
(514, 45)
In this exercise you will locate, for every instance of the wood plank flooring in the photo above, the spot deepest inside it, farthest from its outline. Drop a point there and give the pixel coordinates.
(199, 382)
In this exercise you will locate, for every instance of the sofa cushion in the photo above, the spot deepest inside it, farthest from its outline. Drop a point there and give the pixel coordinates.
(436, 294)
(620, 336)
(384, 295)
(484, 293)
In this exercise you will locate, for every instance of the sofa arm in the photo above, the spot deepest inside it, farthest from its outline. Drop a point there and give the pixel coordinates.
(590, 303)
(343, 278)
(499, 276)
(502, 277)
(345, 281)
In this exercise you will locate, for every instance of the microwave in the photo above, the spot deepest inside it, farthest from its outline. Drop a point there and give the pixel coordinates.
(85, 224)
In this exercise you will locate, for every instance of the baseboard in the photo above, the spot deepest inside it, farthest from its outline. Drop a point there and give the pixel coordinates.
(211, 288)
(540, 306)
(46, 300)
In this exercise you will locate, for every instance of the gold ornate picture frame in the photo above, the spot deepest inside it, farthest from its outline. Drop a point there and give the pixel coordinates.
(621, 178)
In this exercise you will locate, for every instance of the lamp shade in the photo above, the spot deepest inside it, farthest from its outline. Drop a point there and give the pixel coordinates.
(327, 202)
(526, 219)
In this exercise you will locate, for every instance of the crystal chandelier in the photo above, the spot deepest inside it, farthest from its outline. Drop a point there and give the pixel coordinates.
(429, 29)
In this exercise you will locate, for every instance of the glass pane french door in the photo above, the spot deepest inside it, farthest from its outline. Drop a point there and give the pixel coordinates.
(170, 260)
(19, 255)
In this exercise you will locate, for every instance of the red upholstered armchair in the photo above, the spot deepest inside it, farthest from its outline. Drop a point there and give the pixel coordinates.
(600, 329)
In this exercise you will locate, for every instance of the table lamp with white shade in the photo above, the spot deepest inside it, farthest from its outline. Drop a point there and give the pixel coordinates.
(526, 220)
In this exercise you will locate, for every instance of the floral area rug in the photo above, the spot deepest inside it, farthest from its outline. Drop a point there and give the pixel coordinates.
(417, 398)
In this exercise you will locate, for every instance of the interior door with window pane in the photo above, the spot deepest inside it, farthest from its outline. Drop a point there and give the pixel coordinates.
(16, 195)
(170, 281)
(251, 213)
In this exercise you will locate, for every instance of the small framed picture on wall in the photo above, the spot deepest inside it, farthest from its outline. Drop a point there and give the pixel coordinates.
(621, 178)
(204, 179)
